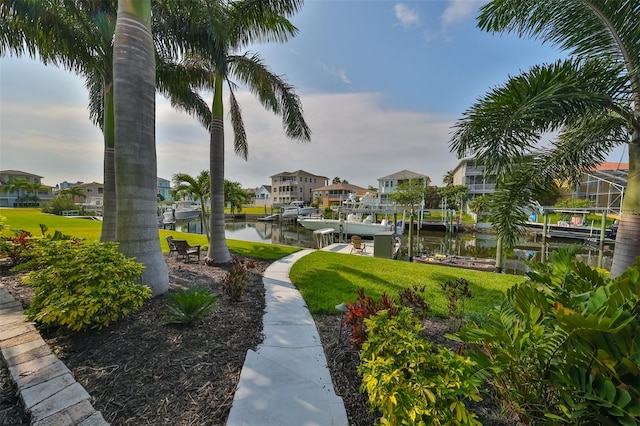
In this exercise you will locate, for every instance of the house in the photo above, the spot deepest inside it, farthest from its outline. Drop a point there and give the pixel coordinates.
(164, 186)
(262, 196)
(470, 173)
(22, 196)
(605, 185)
(93, 195)
(336, 193)
(387, 185)
(295, 186)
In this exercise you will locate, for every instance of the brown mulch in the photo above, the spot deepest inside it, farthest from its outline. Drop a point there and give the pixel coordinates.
(141, 373)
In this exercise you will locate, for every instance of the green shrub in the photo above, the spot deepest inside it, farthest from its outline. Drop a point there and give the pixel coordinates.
(410, 383)
(457, 291)
(82, 285)
(365, 307)
(189, 306)
(235, 281)
(565, 345)
(58, 205)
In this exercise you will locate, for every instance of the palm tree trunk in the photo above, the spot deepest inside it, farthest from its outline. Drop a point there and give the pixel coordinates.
(218, 251)
(627, 247)
(135, 150)
(108, 232)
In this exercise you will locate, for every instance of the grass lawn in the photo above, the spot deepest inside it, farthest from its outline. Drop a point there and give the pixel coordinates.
(30, 220)
(327, 279)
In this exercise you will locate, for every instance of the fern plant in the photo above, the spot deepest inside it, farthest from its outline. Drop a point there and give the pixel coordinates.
(189, 306)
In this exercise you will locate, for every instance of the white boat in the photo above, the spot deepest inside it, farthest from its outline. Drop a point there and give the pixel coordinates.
(183, 210)
(297, 208)
(352, 225)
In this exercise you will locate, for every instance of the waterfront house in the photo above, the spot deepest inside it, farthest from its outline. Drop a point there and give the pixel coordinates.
(387, 185)
(295, 186)
(336, 193)
(604, 185)
(470, 173)
(23, 197)
(262, 196)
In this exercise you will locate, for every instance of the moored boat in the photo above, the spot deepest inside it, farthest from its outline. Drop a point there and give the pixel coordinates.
(297, 208)
(464, 262)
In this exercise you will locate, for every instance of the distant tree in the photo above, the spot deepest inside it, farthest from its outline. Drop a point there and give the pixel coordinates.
(432, 198)
(454, 195)
(234, 196)
(336, 180)
(198, 188)
(73, 192)
(480, 205)
(447, 179)
(372, 188)
(160, 197)
(410, 193)
(18, 186)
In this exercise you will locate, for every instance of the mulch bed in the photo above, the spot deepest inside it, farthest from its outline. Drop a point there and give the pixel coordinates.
(141, 373)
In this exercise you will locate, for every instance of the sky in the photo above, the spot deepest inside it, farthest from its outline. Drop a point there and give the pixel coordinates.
(382, 83)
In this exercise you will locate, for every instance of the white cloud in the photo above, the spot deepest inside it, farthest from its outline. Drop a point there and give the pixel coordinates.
(406, 16)
(458, 10)
(336, 72)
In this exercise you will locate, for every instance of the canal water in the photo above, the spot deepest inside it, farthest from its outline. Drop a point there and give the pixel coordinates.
(482, 245)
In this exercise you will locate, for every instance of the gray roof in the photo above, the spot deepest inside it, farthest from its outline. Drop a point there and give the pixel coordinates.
(404, 174)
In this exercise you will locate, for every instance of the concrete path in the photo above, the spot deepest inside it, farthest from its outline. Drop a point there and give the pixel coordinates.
(286, 380)
(47, 388)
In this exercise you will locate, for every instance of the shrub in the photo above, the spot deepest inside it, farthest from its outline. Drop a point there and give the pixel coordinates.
(410, 383)
(58, 205)
(363, 308)
(414, 298)
(235, 281)
(457, 291)
(17, 247)
(189, 306)
(565, 345)
(82, 285)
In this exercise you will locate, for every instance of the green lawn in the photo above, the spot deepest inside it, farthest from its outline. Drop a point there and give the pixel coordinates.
(30, 220)
(327, 279)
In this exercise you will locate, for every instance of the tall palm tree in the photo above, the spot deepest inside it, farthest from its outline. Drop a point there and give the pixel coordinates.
(135, 149)
(73, 192)
(78, 35)
(447, 178)
(235, 26)
(199, 188)
(592, 100)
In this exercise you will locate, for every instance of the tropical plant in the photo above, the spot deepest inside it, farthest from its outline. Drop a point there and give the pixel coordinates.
(135, 144)
(234, 196)
(563, 346)
(81, 285)
(199, 188)
(591, 100)
(18, 186)
(59, 204)
(409, 382)
(480, 205)
(188, 306)
(447, 178)
(73, 192)
(234, 25)
(235, 282)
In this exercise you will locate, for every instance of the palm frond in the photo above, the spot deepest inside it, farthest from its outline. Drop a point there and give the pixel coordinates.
(261, 21)
(240, 145)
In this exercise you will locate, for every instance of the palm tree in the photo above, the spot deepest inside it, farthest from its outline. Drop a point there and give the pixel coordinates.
(78, 34)
(16, 185)
(236, 25)
(73, 192)
(447, 179)
(592, 100)
(135, 150)
(199, 188)
(234, 196)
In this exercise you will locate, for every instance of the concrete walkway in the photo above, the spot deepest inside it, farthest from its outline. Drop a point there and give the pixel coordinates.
(286, 380)
(46, 386)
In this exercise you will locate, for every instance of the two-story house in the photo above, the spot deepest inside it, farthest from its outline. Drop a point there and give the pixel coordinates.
(605, 185)
(22, 189)
(470, 173)
(262, 196)
(388, 185)
(295, 186)
(336, 193)
(164, 186)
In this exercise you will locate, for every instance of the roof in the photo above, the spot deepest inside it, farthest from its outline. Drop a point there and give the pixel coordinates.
(298, 172)
(343, 186)
(404, 174)
(610, 166)
(18, 172)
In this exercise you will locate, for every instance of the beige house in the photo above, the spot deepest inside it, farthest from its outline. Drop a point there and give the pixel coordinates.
(336, 193)
(387, 185)
(604, 185)
(470, 173)
(295, 186)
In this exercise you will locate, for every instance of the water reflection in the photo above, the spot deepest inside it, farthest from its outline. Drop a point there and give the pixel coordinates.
(482, 245)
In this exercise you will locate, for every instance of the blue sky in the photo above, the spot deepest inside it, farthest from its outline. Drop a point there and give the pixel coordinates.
(381, 83)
